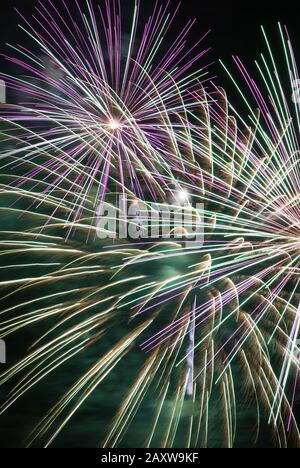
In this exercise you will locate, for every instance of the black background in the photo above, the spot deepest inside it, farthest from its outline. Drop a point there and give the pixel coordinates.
(235, 25)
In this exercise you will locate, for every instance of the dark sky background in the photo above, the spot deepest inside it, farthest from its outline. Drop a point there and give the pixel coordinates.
(235, 26)
(235, 29)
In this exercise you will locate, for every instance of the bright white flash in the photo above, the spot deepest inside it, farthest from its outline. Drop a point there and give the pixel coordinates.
(182, 196)
(114, 124)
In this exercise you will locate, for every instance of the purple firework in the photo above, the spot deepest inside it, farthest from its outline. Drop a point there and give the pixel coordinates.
(101, 107)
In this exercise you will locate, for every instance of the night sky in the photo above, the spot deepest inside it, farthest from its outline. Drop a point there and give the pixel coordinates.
(235, 27)
(235, 30)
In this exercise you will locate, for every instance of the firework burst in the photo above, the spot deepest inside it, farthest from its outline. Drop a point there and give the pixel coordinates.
(214, 327)
(249, 264)
(102, 103)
